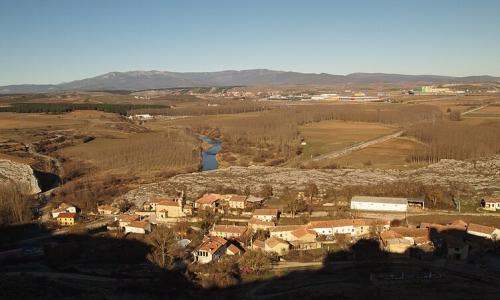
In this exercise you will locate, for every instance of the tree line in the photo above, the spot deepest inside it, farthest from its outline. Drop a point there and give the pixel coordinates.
(121, 109)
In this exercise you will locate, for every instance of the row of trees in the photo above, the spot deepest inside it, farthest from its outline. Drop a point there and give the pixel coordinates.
(455, 140)
(121, 109)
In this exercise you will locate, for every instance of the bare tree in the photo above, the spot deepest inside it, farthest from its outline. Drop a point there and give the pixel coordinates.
(163, 241)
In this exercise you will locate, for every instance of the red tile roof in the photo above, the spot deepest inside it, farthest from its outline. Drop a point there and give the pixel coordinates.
(230, 229)
(234, 250)
(166, 201)
(266, 212)
(480, 228)
(301, 232)
(274, 241)
(208, 199)
(255, 221)
(492, 199)
(138, 224)
(128, 218)
(212, 244)
(285, 228)
(66, 215)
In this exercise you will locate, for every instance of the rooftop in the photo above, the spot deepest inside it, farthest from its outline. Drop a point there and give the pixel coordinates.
(266, 212)
(66, 215)
(208, 199)
(480, 228)
(230, 228)
(388, 200)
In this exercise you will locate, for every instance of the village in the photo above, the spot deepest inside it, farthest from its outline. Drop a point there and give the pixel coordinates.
(232, 224)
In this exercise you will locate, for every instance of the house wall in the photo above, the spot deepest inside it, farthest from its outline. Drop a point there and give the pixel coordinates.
(285, 235)
(333, 230)
(66, 221)
(134, 230)
(492, 206)
(172, 211)
(267, 218)
(237, 204)
(375, 206)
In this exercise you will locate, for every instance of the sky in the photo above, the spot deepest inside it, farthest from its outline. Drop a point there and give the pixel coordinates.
(53, 41)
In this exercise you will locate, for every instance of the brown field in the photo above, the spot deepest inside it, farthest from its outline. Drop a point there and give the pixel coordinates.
(139, 153)
(390, 154)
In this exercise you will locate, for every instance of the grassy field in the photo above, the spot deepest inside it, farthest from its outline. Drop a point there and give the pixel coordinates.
(327, 136)
(390, 154)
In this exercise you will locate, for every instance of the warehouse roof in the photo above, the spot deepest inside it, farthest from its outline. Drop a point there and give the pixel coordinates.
(388, 200)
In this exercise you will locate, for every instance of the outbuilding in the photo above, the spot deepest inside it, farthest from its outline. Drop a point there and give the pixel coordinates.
(388, 204)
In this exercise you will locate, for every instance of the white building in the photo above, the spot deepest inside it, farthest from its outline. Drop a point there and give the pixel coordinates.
(63, 208)
(266, 214)
(492, 203)
(140, 227)
(370, 203)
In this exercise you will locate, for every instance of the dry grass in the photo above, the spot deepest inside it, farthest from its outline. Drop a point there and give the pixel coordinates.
(326, 136)
(140, 153)
(390, 154)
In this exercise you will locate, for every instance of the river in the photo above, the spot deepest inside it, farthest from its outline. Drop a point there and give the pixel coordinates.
(209, 157)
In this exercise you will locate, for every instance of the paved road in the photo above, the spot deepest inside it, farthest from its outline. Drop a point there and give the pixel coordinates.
(358, 146)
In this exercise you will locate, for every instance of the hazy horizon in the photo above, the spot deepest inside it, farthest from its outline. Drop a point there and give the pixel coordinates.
(54, 41)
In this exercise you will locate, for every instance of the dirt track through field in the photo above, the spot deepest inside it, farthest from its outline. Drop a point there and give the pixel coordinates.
(358, 146)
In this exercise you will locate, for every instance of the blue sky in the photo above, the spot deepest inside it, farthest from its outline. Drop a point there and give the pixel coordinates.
(49, 41)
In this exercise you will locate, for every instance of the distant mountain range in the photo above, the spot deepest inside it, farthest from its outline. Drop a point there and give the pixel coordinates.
(144, 80)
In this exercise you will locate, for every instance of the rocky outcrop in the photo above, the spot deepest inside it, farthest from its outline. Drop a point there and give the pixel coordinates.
(482, 175)
(21, 174)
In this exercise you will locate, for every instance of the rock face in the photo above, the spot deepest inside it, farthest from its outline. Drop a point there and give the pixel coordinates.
(483, 175)
(22, 174)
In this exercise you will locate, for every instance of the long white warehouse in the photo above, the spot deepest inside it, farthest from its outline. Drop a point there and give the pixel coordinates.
(370, 203)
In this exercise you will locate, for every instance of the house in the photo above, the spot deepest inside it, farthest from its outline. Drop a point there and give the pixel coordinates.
(233, 250)
(237, 201)
(66, 218)
(364, 227)
(211, 201)
(488, 232)
(126, 219)
(491, 203)
(388, 204)
(304, 239)
(228, 231)
(63, 207)
(418, 236)
(394, 242)
(331, 227)
(284, 232)
(168, 208)
(258, 245)
(106, 210)
(266, 214)
(211, 249)
(257, 224)
(140, 227)
(304, 235)
(254, 201)
(276, 245)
